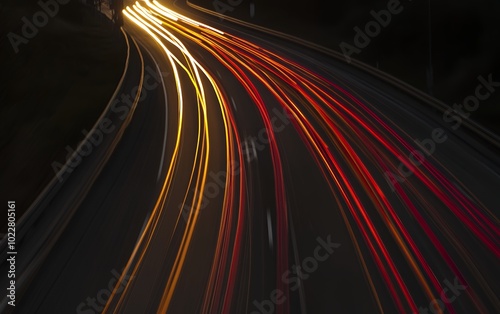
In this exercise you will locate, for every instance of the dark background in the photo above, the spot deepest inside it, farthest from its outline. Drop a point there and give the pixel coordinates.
(61, 80)
(55, 86)
(465, 40)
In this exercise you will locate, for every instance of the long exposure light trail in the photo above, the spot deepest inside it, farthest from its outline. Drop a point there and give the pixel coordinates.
(400, 237)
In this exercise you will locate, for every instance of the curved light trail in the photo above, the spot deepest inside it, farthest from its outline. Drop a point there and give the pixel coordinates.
(404, 240)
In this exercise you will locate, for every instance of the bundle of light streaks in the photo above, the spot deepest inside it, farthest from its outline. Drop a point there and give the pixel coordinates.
(200, 161)
(348, 139)
(216, 291)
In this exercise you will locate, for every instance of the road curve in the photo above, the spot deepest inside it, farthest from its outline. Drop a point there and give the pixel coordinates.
(262, 177)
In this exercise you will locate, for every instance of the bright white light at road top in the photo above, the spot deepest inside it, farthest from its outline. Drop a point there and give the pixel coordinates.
(182, 17)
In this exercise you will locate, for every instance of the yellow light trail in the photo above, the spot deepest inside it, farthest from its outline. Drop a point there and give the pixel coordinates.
(346, 133)
(151, 26)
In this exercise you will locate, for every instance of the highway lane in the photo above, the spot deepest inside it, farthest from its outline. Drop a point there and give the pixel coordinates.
(276, 157)
(85, 252)
(411, 242)
(165, 230)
